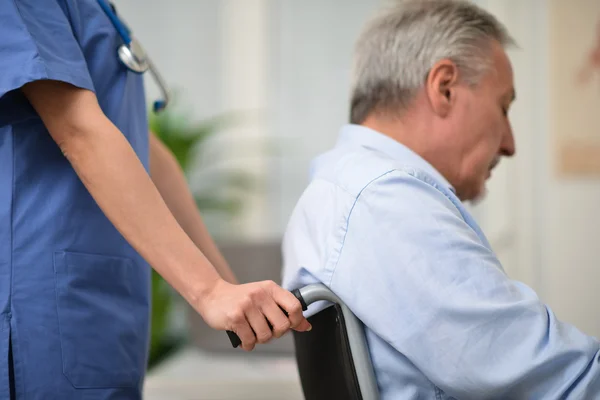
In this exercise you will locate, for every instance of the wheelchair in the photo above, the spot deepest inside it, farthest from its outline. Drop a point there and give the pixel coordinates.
(333, 358)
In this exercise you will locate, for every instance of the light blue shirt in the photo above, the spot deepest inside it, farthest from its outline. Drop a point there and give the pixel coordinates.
(386, 232)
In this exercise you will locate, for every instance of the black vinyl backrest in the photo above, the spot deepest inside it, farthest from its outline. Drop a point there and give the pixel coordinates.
(324, 358)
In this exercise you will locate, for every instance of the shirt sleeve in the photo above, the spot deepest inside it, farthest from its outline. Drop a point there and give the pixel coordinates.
(422, 279)
(37, 42)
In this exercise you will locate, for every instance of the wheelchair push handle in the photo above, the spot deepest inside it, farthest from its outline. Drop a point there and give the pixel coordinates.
(235, 339)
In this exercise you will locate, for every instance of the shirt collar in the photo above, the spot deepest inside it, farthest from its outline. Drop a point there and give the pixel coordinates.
(369, 138)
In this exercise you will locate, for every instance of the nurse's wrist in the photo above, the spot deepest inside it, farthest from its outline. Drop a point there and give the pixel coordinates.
(202, 289)
(213, 303)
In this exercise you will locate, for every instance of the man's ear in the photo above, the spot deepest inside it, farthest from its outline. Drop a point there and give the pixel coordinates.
(441, 86)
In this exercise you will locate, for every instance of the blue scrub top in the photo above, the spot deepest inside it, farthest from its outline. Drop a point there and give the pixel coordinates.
(74, 295)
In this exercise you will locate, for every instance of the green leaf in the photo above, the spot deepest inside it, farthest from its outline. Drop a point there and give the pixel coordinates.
(161, 307)
(229, 206)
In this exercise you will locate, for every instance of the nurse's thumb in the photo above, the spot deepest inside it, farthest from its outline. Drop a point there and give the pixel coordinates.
(303, 326)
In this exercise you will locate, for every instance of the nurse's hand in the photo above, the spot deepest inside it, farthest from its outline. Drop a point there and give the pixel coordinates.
(243, 309)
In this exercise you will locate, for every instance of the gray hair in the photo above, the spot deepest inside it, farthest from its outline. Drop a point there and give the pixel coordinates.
(399, 46)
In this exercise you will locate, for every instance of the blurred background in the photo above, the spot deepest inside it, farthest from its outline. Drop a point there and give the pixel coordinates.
(262, 86)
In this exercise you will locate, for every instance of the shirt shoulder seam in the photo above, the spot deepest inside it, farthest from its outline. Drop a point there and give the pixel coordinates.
(411, 172)
(348, 219)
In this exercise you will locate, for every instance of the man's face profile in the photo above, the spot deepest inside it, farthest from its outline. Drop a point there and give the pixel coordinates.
(480, 125)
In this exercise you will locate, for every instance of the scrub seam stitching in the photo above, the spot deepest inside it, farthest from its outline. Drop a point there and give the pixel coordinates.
(37, 49)
(18, 373)
(12, 268)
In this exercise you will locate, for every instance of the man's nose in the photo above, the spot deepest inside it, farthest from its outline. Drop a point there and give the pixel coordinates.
(507, 147)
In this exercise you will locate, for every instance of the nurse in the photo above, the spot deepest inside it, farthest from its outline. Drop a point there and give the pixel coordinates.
(88, 202)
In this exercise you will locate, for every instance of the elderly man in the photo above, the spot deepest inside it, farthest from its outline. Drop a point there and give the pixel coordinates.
(383, 225)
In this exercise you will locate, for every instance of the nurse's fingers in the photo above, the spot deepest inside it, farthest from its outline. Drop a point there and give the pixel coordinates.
(292, 306)
(259, 325)
(246, 335)
(279, 321)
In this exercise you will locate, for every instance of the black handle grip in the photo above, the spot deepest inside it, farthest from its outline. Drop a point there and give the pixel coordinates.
(235, 339)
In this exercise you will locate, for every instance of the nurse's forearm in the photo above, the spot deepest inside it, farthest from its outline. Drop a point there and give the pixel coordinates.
(118, 182)
(172, 185)
(114, 176)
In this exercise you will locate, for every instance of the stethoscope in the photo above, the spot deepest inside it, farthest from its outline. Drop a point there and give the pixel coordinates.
(133, 56)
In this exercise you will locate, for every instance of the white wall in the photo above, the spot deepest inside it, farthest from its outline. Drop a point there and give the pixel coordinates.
(312, 44)
(571, 227)
(214, 56)
(183, 39)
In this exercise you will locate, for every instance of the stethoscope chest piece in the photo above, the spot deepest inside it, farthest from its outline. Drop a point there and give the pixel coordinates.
(133, 57)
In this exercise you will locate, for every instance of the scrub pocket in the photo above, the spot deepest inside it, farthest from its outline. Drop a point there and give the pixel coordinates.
(102, 316)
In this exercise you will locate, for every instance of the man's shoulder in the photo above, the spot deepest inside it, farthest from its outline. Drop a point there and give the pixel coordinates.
(355, 170)
(366, 187)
